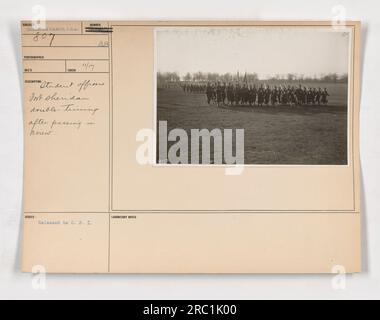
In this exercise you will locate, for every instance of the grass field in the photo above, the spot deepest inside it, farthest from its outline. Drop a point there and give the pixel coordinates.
(273, 135)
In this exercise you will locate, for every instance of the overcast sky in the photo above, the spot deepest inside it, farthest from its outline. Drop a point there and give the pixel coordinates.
(265, 51)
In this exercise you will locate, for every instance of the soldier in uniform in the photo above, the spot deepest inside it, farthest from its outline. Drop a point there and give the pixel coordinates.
(285, 96)
(304, 96)
(315, 92)
(318, 96)
(299, 95)
(279, 94)
(267, 95)
(254, 94)
(309, 96)
(209, 93)
(229, 92)
(274, 96)
(234, 94)
(219, 94)
(245, 94)
(293, 96)
(260, 95)
(250, 95)
(237, 94)
(324, 97)
(224, 94)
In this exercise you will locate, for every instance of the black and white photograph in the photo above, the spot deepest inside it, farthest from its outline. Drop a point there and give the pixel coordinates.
(282, 93)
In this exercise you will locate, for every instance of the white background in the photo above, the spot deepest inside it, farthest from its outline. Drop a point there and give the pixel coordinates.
(13, 284)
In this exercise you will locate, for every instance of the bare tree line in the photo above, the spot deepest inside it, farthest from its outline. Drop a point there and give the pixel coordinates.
(164, 77)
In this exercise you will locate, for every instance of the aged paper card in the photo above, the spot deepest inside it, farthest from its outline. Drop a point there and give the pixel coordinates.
(191, 147)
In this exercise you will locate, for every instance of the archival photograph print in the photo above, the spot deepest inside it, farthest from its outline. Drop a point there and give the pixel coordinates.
(252, 95)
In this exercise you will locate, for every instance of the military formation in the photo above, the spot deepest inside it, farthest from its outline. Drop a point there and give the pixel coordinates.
(219, 93)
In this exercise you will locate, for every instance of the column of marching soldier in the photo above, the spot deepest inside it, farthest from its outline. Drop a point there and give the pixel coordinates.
(243, 94)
